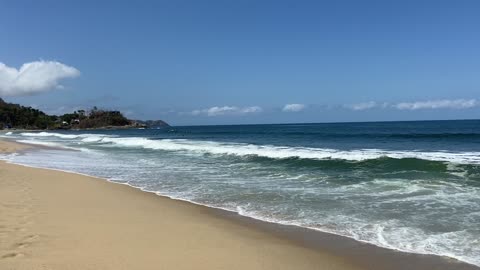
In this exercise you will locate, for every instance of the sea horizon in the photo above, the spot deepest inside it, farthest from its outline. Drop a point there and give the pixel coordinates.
(333, 122)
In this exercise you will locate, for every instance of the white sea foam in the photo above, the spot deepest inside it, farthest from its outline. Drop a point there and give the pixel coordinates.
(269, 151)
(50, 144)
(92, 138)
(53, 144)
(60, 135)
(49, 134)
(279, 152)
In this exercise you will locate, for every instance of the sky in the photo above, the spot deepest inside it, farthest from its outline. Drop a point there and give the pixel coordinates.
(244, 62)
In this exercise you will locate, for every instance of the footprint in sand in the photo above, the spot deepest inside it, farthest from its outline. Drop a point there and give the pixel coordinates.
(30, 238)
(21, 245)
(12, 255)
(26, 221)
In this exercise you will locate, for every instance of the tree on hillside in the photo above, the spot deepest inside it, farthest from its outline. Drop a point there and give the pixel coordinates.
(14, 115)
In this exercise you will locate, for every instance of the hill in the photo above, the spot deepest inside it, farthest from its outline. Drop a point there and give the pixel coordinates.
(17, 116)
(21, 117)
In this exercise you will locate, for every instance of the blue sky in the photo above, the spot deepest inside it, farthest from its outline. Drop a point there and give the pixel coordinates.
(235, 62)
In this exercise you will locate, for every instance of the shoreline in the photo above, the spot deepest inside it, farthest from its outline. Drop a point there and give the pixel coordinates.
(336, 251)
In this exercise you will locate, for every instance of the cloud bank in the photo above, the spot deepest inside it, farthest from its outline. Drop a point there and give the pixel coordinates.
(438, 104)
(418, 105)
(363, 106)
(34, 77)
(227, 110)
(293, 107)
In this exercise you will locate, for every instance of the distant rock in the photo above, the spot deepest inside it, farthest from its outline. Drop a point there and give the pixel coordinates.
(151, 123)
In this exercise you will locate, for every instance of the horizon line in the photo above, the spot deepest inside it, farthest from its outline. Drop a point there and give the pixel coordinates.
(333, 122)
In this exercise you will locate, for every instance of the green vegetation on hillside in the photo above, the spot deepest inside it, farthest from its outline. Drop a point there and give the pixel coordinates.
(17, 116)
(96, 118)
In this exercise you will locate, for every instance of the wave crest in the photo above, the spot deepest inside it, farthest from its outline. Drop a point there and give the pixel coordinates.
(267, 151)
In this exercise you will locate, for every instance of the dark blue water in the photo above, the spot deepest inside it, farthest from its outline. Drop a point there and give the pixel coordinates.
(411, 186)
(420, 135)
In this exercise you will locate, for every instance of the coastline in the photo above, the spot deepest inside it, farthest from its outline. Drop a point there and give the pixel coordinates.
(65, 220)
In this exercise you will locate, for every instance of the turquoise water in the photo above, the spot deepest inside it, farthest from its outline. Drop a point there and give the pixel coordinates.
(410, 186)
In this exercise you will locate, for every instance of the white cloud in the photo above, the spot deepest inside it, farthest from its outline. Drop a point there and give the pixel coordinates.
(437, 104)
(294, 107)
(34, 77)
(384, 105)
(253, 109)
(363, 106)
(417, 105)
(227, 110)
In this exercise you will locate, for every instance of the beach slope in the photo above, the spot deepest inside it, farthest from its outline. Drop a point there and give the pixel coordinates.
(56, 220)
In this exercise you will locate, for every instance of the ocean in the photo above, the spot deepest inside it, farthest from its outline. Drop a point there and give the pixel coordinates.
(408, 186)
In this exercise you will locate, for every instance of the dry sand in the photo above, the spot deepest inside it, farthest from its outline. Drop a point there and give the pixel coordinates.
(57, 220)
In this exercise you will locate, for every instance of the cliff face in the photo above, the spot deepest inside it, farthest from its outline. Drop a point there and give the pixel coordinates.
(17, 116)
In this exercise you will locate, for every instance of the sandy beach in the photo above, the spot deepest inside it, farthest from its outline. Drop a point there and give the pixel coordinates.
(239, 135)
(56, 220)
